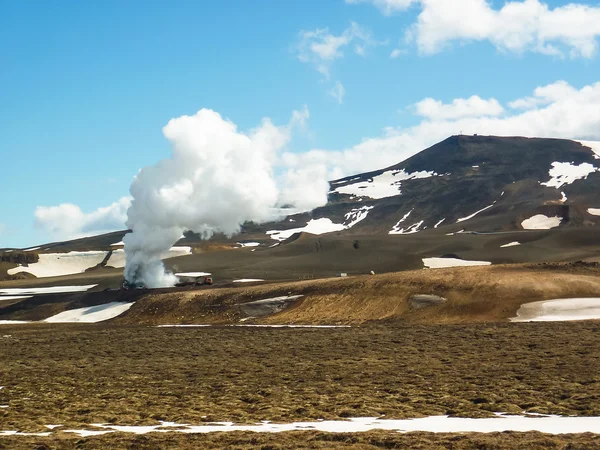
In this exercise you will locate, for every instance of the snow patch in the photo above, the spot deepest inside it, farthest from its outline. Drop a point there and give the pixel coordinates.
(13, 297)
(59, 264)
(46, 290)
(433, 424)
(355, 215)
(248, 280)
(31, 249)
(563, 173)
(387, 184)
(192, 274)
(563, 197)
(462, 219)
(594, 211)
(559, 310)
(12, 322)
(439, 223)
(117, 244)
(91, 314)
(541, 222)
(314, 226)
(510, 244)
(248, 244)
(594, 145)
(438, 263)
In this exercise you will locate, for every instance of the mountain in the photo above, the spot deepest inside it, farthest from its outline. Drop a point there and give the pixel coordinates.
(475, 183)
(485, 199)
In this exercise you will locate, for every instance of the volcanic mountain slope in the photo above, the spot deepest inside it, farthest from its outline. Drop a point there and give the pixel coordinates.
(476, 183)
(497, 199)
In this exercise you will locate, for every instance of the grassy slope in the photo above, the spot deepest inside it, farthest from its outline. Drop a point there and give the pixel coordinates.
(475, 294)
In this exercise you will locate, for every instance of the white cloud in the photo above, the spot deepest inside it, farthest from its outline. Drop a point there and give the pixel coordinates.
(559, 110)
(461, 107)
(321, 48)
(68, 221)
(519, 26)
(387, 7)
(396, 53)
(338, 92)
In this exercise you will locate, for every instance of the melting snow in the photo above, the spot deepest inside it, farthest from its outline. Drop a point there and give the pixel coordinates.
(387, 184)
(356, 215)
(408, 230)
(58, 264)
(13, 297)
(510, 244)
(46, 290)
(314, 226)
(541, 222)
(438, 224)
(434, 424)
(462, 219)
(247, 280)
(117, 258)
(594, 145)
(594, 211)
(563, 173)
(559, 310)
(248, 244)
(438, 263)
(563, 197)
(91, 314)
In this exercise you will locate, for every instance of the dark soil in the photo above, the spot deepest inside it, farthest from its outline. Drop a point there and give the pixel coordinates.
(79, 375)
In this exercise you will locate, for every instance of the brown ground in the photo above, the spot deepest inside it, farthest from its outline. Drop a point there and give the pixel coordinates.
(475, 294)
(78, 375)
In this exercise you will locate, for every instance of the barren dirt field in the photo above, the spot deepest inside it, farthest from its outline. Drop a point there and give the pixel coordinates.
(138, 375)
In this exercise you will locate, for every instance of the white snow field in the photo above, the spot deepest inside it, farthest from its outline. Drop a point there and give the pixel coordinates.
(541, 222)
(91, 314)
(594, 145)
(440, 263)
(13, 297)
(117, 258)
(46, 290)
(594, 211)
(59, 264)
(559, 310)
(433, 424)
(510, 244)
(314, 226)
(387, 184)
(12, 322)
(563, 173)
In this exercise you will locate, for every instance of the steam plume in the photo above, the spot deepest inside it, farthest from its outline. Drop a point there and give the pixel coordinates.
(216, 179)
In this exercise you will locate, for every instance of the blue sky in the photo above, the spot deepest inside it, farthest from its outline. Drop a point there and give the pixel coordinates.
(86, 87)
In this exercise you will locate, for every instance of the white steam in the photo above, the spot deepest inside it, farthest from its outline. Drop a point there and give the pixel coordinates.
(216, 179)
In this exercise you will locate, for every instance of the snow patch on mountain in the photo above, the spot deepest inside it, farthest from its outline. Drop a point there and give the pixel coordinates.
(59, 264)
(439, 223)
(387, 184)
(563, 173)
(91, 314)
(356, 215)
(440, 263)
(594, 145)
(324, 225)
(510, 244)
(594, 211)
(462, 219)
(541, 222)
